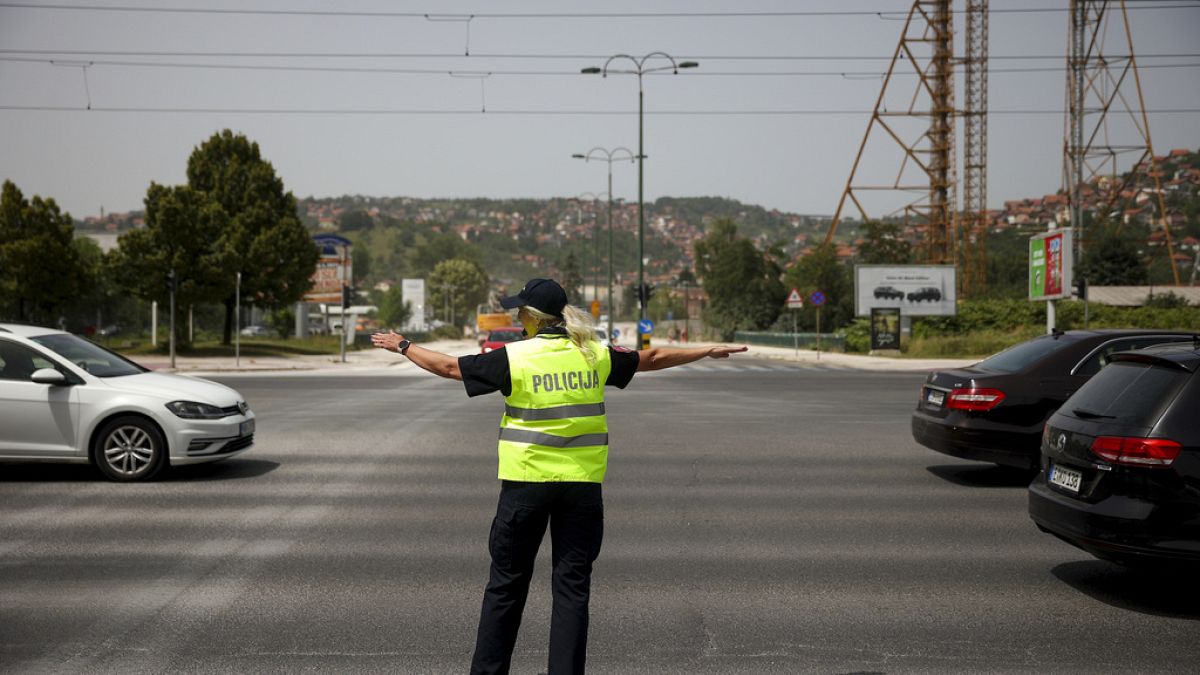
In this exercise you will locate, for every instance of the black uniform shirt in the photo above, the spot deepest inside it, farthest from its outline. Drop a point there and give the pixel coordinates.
(485, 373)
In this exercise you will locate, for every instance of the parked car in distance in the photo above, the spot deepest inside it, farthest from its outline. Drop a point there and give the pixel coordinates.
(925, 293)
(66, 399)
(255, 331)
(994, 411)
(602, 337)
(1121, 460)
(888, 293)
(498, 337)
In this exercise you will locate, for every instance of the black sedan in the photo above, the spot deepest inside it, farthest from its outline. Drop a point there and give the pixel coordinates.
(994, 411)
(1121, 461)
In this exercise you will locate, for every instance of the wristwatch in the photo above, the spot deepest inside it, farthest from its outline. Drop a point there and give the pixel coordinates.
(404, 345)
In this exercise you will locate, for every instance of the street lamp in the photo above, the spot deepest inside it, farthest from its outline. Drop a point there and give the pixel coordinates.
(609, 156)
(595, 261)
(639, 69)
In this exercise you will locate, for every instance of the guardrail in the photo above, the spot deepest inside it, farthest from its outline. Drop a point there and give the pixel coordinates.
(829, 341)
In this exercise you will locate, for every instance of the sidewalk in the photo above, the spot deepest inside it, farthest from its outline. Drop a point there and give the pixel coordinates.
(369, 362)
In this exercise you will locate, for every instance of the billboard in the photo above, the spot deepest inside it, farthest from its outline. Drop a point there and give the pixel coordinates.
(1050, 265)
(412, 291)
(917, 290)
(885, 328)
(334, 270)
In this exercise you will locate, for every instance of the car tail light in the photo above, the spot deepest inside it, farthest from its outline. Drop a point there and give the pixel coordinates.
(1150, 452)
(974, 399)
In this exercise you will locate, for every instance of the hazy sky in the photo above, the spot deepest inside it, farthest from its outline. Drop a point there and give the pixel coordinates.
(146, 119)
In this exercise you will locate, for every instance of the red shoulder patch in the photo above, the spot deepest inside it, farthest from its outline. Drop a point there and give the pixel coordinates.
(619, 348)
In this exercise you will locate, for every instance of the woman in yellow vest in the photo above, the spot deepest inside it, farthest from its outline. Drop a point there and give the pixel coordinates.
(553, 452)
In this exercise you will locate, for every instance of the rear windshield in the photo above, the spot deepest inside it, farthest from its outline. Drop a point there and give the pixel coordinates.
(504, 336)
(1126, 392)
(88, 355)
(1023, 355)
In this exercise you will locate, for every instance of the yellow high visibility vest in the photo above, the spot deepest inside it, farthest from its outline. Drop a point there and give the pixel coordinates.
(554, 428)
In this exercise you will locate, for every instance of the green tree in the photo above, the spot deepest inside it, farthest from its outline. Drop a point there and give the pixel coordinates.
(262, 238)
(41, 272)
(572, 280)
(1111, 259)
(394, 312)
(884, 244)
(822, 271)
(179, 235)
(461, 285)
(742, 282)
(356, 219)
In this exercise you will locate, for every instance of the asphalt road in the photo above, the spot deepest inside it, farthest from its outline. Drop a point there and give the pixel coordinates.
(761, 519)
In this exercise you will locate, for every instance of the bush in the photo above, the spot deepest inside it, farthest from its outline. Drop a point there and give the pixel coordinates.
(447, 332)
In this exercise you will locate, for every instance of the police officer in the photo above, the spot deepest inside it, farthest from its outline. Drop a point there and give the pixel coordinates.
(553, 453)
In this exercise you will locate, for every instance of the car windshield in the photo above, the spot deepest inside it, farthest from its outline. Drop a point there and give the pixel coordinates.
(1023, 355)
(504, 336)
(88, 355)
(1128, 393)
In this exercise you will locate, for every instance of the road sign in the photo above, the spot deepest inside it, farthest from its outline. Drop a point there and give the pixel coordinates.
(794, 301)
(616, 333)
(645, 326)
(817, 298)
(596, 309)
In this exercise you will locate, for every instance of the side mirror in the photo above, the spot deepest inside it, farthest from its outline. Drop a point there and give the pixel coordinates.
(48, 376)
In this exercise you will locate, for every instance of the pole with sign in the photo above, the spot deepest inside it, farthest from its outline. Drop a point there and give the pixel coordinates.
(795, 303)
(1050, 269)
(817, 299)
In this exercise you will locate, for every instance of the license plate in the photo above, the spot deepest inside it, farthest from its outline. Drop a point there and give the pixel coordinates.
(246, 428)
(934, 397)
(1065, 478)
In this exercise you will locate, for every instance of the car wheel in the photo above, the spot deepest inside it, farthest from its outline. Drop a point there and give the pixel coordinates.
(129, 449)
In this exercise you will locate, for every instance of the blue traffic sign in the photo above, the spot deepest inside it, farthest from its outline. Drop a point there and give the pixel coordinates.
(817, 298)
(645, 326)
(616, 333)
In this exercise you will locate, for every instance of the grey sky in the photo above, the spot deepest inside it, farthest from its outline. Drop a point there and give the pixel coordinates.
(90, 159)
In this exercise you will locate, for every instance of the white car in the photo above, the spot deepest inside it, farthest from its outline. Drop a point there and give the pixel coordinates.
(66, 399)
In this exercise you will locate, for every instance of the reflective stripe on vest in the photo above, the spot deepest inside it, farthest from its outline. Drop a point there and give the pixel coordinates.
(554, 428)
(557, 413)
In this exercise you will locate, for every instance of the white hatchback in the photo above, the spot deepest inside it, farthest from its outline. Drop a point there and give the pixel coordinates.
(67, 399)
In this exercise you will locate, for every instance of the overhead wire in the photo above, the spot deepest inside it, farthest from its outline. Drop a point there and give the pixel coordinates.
(242, 11)
(545, 112)
(571, 73)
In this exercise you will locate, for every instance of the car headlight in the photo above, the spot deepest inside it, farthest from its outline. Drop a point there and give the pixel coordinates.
(195, 411)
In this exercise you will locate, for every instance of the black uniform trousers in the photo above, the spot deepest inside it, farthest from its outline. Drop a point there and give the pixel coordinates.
(575, 514)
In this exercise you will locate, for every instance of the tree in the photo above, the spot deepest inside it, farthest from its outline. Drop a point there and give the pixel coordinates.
(393, 310)
(262, 238)
(356, 219)
(1111, 259)
(41, 272)
(572, 280)
(822, 271)
(462, 285)
(181, 234)
(742, 283)
(884, 244)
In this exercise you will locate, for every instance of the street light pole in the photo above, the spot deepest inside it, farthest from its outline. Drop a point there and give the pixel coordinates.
(608, 156)
(639, 70)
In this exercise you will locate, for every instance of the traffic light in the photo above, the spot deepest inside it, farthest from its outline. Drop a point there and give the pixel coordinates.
(645, 291)
(1081, 288)
(347, 293)
(171, 284)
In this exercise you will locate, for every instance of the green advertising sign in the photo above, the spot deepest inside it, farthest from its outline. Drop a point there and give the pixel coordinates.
(1050, 265)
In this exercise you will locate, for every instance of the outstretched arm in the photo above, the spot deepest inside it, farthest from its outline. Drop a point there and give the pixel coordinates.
(427, 359)
(657, 358)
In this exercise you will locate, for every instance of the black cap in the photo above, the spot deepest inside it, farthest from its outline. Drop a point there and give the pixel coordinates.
(541, 294)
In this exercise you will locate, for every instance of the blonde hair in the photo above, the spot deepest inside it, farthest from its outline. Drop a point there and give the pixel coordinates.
(578, 323)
